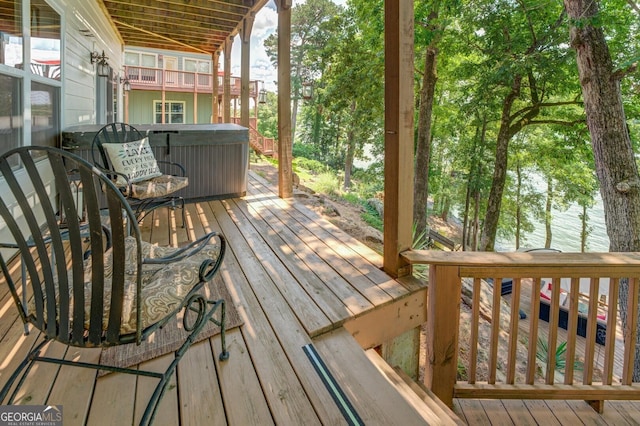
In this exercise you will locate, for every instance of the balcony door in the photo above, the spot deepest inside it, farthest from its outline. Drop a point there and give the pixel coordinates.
(170, 64)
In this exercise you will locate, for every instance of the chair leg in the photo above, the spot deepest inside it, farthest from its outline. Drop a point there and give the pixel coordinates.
(196, 303)
(184, 220)
(224, 355)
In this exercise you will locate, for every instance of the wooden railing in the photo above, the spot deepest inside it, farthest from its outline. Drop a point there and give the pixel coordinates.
(143, 78)
(576, 283)
(261, 144)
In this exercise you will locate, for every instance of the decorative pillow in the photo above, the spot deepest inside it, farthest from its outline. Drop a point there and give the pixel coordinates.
(133, 159)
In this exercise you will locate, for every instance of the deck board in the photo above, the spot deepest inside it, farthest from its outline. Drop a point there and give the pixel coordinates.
(311, 270)
(294, 279)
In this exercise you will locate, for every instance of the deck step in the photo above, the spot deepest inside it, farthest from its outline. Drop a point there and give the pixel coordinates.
(421, 398)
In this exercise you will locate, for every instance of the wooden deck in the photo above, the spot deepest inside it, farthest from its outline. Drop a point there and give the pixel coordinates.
(295, 280)
(545, 412)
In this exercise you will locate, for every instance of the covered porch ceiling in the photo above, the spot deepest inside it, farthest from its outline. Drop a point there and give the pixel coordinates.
(198, 26)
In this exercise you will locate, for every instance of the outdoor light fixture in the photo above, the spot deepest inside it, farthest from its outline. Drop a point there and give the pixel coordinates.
(126, 84)
(307, 90)
(101, 60)
(262, 96)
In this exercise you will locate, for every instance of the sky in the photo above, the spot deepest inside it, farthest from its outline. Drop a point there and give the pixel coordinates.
(265, 24)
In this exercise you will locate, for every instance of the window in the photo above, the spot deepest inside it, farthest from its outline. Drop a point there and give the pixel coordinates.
(194, 65)
(11, 110)
(135, 60)
(45, 128)
(11, 35)
(138, 59)
(173, 112)
(34, 86)
(45, 40)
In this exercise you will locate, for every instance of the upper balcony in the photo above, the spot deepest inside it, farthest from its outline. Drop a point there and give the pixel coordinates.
(143, 78)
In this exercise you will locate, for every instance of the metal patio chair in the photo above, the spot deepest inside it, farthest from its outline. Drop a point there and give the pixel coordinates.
(86, 287)
(125, 153)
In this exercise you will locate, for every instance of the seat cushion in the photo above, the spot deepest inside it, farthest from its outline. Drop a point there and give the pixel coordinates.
(164, 286)
(158, 187)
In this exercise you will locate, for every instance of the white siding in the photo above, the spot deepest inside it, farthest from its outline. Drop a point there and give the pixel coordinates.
(79, 75)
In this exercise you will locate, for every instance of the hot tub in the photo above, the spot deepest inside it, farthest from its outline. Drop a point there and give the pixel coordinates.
(215, 156)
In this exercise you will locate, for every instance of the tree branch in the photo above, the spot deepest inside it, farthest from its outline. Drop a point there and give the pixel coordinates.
(621, 73)
(559, 122)
(543, 105)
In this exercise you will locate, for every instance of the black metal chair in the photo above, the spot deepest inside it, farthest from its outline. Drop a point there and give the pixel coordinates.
(91, 288)
(138, 174)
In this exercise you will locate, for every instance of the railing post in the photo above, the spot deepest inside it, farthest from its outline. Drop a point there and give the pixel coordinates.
(443, 318)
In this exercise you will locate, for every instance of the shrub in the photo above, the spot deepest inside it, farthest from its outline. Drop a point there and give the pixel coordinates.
(372, 217)
(326, 183)
(305, 150)
(311, 165)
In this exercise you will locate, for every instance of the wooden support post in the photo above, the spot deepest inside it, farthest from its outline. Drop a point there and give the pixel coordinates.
(398, 138)
(163, 98)
(285, 156)
(126, 106)
(215, 112)
(245, 36)
(226, 95)
(443, 318)
(195, 101)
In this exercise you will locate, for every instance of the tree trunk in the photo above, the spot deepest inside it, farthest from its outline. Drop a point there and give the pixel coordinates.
(465, 221)
(446, 207)
(614, 158)
(492, 216)
(476, 220)
(351, 150)
(547, 214)
(584, 229)
(518, 208)
(423, 143)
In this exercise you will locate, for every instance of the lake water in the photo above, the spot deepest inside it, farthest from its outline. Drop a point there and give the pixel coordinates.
(565, 230)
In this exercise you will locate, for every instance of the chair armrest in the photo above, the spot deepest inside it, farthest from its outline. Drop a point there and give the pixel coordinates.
(111, 174)
(171, 164)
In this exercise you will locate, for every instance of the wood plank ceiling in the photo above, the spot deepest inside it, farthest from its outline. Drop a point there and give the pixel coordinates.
(199, 26)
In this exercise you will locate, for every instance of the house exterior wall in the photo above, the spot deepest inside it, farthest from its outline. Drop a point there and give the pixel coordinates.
(85, 29)
(141, 106)
(141, 102)
(160, 54)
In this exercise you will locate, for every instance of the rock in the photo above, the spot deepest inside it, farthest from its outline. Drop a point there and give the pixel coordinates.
(331, 211)
(377, 204)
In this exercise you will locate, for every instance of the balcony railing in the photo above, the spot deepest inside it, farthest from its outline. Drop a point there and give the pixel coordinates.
(567, 290)
(143, 78)
(261, 144)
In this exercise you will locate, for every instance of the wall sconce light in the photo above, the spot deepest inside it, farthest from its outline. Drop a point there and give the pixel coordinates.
(103, 65)
(307, 90)
(126, 84)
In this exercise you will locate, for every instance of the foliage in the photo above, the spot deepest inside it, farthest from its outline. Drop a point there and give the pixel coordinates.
(268, 117)
(542, 354)
(326, 183)
(371, 217)
(313, 166)
(307, 151)
(483, 46)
